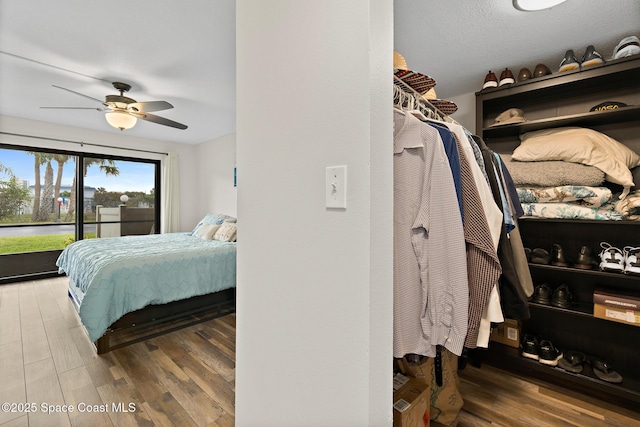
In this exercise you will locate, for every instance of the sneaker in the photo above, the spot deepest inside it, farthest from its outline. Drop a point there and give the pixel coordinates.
(591, 57)
(611, 259)
(506, 77)
(530, 347)
(548, 354)
(569, 62)
(490, 80)
(631, 260)
(628, 46)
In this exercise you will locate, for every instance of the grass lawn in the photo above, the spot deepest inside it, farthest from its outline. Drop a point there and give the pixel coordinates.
(45, 242)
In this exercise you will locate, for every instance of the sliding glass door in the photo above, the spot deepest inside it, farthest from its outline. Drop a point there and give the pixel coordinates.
(48, 202)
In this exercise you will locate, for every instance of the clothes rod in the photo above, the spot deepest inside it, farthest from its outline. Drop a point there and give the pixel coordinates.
(82, 143)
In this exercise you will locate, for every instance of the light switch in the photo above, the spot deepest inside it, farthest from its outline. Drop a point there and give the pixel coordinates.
(336, 187)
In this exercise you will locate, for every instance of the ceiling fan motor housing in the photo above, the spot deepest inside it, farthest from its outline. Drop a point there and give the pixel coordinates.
(119, 101)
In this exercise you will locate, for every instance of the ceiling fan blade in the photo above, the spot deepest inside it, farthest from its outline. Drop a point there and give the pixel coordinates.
(145, 107)
(81, 94)
(159, 120)
(77, 108)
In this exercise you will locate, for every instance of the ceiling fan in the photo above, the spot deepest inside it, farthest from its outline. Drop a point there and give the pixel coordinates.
(123, 112)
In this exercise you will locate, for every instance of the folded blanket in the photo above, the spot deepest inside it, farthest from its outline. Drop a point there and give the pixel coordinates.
(571, 211)
(630, 206)
(590, 196)
(552, 173)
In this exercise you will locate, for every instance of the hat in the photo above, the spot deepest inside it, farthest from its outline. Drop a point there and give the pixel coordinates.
(444, 106)
(608, 105)
(421, 83)
(512, 115)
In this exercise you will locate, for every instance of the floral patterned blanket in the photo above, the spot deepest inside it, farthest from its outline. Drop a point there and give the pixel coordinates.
(578, 202)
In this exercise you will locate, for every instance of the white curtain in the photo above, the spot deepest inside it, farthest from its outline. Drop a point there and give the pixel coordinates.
(169, 218)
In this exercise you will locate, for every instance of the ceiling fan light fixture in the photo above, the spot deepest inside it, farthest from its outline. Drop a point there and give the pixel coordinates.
(120, 120)
(533, 5)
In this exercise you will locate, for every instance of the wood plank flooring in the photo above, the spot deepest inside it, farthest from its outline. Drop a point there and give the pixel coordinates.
(187, 377)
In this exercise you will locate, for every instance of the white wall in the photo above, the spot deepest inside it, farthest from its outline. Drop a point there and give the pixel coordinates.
(215, 162)
(315, 285)
(466, 114)
(186, 153)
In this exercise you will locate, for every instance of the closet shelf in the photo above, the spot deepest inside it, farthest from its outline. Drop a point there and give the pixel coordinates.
(557, 100)
(559, 83)
(580, 308)
(620, 115)
(607, 223)
(604, 274)
(626, 394)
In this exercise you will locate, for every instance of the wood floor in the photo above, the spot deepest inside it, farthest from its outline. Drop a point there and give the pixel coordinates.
(187, 377)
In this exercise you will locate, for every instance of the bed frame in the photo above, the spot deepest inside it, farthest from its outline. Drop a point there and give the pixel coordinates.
(158, 319)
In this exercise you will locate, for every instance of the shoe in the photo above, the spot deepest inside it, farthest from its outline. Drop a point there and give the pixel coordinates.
(604, 371)
(524, 74)
(506, 77)
(548, 354)
(540, 256)
(628, 46)
(527, 253)
(611, 259)
(631, 260)
(530, 347)
(541, 294)
(591, 57)
(572, 361)
(490, 80)
(557, 256)
(569, 62)
(562, 297)
(541, 70)
(585, 261)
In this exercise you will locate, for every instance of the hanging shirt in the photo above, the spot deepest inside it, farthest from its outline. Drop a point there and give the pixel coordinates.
(431, 293)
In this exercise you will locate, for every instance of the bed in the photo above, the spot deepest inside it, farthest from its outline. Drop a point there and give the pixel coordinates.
(129, 282)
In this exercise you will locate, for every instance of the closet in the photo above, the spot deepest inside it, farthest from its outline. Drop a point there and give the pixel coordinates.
(560, 100)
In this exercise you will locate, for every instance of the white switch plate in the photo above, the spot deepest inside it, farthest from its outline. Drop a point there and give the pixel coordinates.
(336, 187)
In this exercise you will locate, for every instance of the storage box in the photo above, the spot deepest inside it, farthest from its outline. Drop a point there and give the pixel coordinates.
(508, 333)
(410, 402)
(617, 314)
(617, 306)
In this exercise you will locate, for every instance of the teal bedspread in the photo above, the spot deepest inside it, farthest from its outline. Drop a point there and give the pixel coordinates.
(114, 276)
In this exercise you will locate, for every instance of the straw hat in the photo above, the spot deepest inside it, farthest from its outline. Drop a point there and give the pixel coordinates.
(421, 83)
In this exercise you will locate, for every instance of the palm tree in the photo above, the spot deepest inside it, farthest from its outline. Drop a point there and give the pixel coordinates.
(46, 199)
(38, 159)
(60, 159)
(107, 166)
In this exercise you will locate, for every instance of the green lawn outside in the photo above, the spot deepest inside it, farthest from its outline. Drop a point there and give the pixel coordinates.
(45, 242)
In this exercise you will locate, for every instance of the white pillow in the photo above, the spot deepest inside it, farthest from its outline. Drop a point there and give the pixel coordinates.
(227, 232)
(580, 145)
(206, 231)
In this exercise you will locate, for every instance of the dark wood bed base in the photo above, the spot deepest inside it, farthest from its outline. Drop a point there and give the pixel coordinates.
(172, 316)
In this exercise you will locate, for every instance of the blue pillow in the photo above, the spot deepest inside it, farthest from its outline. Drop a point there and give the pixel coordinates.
(213, 220)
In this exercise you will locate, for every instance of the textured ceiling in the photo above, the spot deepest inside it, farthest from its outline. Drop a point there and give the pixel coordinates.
(458, 41)
(184, 52)
(180, 52)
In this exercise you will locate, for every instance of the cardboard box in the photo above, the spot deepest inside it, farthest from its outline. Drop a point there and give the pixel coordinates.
(508, 333)
(410, 402)
(621, 300)
(617, 314)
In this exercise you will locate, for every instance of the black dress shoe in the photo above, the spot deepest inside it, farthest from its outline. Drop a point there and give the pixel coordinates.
(542, 294)
(557, 256)
(541, 70)
(585, 261)
(524, 74)
(562, 297)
